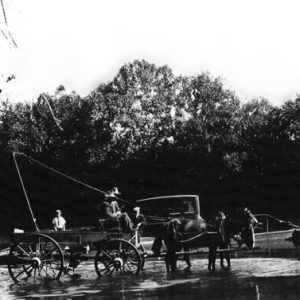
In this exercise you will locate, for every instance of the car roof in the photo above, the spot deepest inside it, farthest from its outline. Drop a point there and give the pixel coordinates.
(264, 215)
(165, 197)
(267, 215)
(270, 216)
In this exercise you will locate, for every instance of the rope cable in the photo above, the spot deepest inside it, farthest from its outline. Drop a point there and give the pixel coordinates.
(25, 193)
(4, 13)
(67, 176)
(57, 121)
(12, 39)
(7, 27)
(4, 34)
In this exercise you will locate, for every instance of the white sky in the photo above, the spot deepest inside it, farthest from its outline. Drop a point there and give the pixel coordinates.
(254, 45)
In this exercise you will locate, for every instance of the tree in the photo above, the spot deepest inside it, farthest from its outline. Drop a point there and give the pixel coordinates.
(138, 105)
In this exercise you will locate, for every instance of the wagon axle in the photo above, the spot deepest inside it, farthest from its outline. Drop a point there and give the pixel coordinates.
(118, 262)
(36, 262)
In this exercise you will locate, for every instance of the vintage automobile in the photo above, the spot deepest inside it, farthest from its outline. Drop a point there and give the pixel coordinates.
(163, 208)
(272, 233)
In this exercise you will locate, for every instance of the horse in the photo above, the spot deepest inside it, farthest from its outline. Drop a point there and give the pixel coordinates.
(239, 227)
(189, 234)
(241, 224)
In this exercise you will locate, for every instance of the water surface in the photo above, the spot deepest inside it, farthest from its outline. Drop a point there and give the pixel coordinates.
(249, 278)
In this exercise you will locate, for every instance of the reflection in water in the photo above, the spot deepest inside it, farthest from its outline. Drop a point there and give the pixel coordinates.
(254, 278)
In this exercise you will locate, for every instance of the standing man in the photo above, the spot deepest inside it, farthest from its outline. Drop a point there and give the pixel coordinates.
(138, 217)
(59, 222)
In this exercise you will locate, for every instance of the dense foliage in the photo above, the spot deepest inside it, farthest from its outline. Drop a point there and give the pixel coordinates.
(150, 133)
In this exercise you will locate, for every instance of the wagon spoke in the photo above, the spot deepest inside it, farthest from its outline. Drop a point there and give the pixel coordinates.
(54, 262)
(19, 247)
(45, 271)
(50, 253)
(29, 246)
(129, 264)
(132, 262)
(129, 251)
(129, 255)
(46, 253)
(50, 260)
(40, 269)
(34, 274)
(113, 253)
(107, 255)
(113, 268)
(128, 267)
(41, 275)
(54, 267)
(37, 249)
(106, 268)
(29, 272)
(24, 270)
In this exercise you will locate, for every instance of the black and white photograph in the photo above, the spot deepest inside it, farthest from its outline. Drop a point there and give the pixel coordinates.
(149, 150)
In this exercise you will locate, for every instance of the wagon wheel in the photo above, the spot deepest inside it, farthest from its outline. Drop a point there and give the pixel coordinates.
(35, 258)
(141, 251)
(117, 257)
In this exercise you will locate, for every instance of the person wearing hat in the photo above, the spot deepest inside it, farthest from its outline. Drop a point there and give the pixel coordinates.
(111, 196)
(113, 211)
(59, 222)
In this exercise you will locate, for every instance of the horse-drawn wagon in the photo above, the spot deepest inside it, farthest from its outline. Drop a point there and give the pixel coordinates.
(46, 255)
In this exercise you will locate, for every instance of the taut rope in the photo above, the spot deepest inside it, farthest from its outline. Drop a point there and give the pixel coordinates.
(57, 172)
(25, 193)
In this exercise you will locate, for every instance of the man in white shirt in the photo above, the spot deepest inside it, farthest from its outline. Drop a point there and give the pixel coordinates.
(59, 222)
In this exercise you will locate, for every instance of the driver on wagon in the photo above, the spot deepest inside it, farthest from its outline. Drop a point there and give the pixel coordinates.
(111, 210)
(114, 206)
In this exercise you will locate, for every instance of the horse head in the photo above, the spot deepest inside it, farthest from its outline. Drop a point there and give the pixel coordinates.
(173, 227)
(171, 233)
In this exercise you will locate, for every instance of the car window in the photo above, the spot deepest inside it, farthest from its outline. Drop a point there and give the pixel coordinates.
(278, 225)
(262, 227)
(166, 207)
(268, 223)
